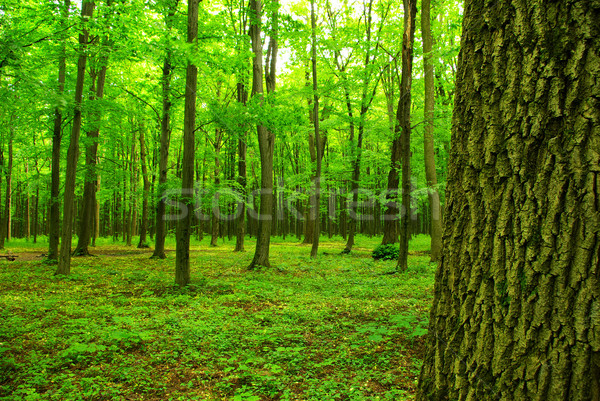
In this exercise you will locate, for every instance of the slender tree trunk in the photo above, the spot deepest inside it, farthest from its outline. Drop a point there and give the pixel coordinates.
(132, 204)
(515, 314)
(391, 210)
(36, 214)
(5, 220)
(64, 261)
(403, 117)
(54, 212)
(182, 261)
(434, 197)
(91, 155)
(144, 227)
(215, 212)
(242, 97)
(27, 206)
(266, 139)
(366, 99)
(165, 138)
(319, 148)
(96, 215)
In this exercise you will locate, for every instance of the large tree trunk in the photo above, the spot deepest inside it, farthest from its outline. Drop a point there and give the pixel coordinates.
(430, 174)
(64, 261)
(403, 117)
(54, 212)
(165, 137)
(266, 139)
(184, 225)
(516, 304)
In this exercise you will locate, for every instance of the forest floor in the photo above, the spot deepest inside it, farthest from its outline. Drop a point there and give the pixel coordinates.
(334, 328)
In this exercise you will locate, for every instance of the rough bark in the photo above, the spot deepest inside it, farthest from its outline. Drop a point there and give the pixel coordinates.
(266, 139)
(184, 225)
(516, 303)
(403, 117)
(429, 151)
(64, 260)
(165, 137)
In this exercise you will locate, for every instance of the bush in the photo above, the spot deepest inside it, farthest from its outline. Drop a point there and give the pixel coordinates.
(386, 252)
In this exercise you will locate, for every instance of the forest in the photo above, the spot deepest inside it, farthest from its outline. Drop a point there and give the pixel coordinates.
(287, 200)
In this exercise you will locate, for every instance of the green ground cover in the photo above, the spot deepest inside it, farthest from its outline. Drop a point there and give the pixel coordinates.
(334, 328)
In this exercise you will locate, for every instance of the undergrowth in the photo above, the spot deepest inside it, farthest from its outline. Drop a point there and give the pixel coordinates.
(331, 328)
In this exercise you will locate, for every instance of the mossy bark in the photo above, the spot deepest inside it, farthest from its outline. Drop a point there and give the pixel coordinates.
(516, 312)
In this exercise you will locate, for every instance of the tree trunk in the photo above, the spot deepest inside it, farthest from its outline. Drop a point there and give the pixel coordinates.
(430, 174)
(64, 261)
(215, 207)
(516, 306)
(391, 210)
(165, 137)
(182, 261)
(132, 204)
(319, 148)
(96, 215)
(5, 221)
(266, 139)
(144, 226)
(365, 103)
(242, 97)
(91, 176)
(54, 212)
(403, 117)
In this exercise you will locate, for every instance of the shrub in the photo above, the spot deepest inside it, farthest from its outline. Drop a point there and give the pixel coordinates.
(386, 252)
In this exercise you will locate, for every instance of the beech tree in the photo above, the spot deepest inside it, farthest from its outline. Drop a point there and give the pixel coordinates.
(515, 310)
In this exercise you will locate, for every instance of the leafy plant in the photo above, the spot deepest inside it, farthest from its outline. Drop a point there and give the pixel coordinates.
(386, 252)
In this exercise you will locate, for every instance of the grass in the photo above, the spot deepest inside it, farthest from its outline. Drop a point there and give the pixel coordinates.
(334, 328)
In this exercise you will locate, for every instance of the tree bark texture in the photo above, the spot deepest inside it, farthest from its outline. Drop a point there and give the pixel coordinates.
(516, 311)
